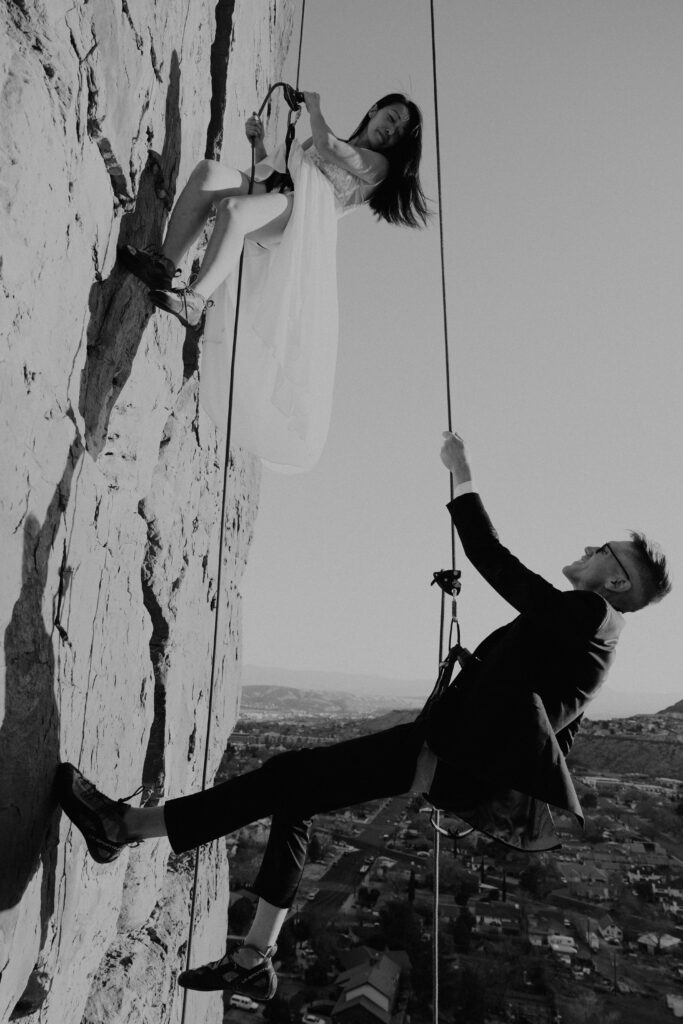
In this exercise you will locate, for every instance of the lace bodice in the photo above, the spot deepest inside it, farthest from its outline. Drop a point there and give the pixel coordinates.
(349, 191)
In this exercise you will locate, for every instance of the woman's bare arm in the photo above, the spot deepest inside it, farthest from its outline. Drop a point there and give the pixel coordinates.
(364, 163)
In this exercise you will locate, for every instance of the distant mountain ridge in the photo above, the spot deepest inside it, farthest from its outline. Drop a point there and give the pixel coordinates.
(337, 682)
(291, 701)
(412, 693)
(652, 753)
(675, 709)
(625, 754)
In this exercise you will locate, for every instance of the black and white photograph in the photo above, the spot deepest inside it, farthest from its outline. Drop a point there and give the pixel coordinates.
(342, 511)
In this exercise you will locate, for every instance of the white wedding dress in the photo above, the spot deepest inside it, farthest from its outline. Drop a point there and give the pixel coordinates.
(288, 322)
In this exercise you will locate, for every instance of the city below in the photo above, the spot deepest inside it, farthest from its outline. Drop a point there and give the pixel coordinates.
(591, 932)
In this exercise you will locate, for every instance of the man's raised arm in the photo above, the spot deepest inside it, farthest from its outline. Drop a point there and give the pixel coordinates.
(523, 589)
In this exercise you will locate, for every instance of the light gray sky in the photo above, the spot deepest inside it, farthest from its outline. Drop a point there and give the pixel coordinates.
(562, 165)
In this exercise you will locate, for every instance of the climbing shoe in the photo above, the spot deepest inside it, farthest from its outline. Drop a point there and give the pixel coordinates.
(259, 982)
(149, 265)
(188, 306)
(93, 813)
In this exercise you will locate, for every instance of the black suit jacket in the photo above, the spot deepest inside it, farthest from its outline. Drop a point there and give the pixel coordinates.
(502, 730)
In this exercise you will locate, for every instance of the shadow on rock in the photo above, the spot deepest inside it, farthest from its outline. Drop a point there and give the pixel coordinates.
(119, 307)
(29, 736)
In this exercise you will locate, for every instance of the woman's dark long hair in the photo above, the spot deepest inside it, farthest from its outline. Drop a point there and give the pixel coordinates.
(399, 198)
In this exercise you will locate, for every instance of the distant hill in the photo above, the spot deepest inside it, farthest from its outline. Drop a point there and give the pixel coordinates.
(381, 709)
(627, 754)
(645, 754)
(612, 702)
(675, 709)
(412, 693)
(400, 691)
(290, 701)
(376, 724)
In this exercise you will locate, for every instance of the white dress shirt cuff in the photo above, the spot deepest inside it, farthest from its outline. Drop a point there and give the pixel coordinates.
(465, 488)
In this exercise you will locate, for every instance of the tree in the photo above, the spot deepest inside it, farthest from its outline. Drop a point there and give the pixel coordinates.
(658, 819)
(467, 888)
(470, 997)
(321, 939)
(453, 874)
(286, 943)
(241, 913)
(588, 1008)
(301, 928)
(461, 930)
(367, 897)
(411, 886)
(537, 973)
(373, 896)
(315, 849)
(644, 890)
(277, 1011)
(539, 879)
(316, 974)
(595, 826)
(400, 926)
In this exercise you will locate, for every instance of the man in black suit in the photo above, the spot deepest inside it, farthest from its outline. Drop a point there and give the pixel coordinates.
(501, 735)
(492, 748)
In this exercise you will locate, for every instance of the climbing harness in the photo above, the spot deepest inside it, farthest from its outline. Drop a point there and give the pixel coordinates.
(448, 580)
(293, 99)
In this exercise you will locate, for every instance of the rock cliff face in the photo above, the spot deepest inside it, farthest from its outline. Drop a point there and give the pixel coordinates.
(111, 489)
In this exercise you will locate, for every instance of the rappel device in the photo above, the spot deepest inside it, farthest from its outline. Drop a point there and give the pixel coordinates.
(293, 97)
(448, 580)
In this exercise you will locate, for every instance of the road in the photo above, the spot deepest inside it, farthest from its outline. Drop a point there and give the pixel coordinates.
(344, 876)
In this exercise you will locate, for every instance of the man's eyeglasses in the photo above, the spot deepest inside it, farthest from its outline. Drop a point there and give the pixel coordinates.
(608, 547)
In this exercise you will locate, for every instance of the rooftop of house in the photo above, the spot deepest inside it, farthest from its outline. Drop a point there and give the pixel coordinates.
(344, 1005)
(381, 974)
(503, 911)
(663, 940)
(359, 955)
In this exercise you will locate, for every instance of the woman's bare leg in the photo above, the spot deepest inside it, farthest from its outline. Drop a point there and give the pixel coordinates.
(266, 214)
(209, 182)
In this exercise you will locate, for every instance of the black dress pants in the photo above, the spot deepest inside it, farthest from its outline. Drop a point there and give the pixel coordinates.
(292, 787)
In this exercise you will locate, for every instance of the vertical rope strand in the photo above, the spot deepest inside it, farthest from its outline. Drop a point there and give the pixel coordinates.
(435, 914)
(440, 201)
(301, 39)
(221, 545)
(446, 353)
(449, 408)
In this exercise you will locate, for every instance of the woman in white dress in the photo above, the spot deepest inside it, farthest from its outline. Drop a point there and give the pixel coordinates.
(288, 312)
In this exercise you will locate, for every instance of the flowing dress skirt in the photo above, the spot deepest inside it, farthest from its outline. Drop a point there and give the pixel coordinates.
(287, 332)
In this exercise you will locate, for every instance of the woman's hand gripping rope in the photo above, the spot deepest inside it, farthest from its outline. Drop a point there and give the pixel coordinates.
(255, 133)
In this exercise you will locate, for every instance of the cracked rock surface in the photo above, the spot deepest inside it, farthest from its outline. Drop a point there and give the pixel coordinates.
(111, 495)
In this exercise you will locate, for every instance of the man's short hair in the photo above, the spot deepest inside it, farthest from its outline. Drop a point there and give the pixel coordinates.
(653, 570)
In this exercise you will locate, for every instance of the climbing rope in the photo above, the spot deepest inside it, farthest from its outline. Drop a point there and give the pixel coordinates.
(436, 814)
(293, 97)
